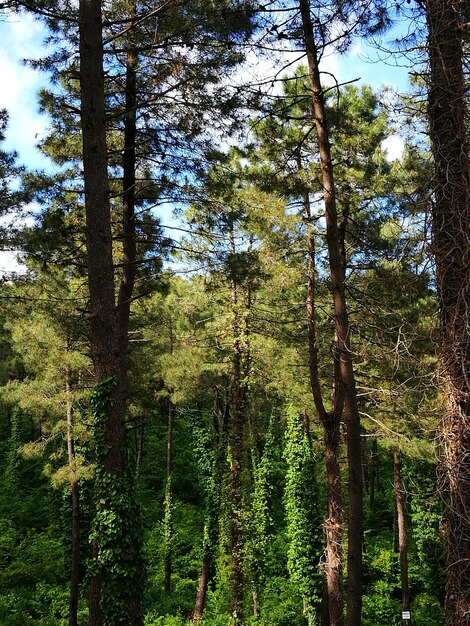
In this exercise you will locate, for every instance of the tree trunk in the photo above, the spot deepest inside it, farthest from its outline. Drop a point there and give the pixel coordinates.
(213, 498)
(236, 488)
(330, 422)
(108, 330)
(345, 386)
(201, 592)
(236, 435)
(75, 557)
(103, 340)
(168, 505)
(451, 228)
(402, 538)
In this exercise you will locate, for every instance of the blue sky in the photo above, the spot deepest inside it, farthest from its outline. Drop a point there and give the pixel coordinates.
(22, 37)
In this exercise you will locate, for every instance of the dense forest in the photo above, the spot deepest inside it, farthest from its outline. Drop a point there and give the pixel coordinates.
(234, 384)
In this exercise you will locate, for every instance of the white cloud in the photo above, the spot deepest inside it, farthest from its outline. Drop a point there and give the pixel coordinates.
(394, 147)
(22, 37)
(9, 264)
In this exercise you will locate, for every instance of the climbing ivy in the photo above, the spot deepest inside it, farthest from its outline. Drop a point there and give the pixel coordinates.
(261, 523)
(304, 526)
(168, 530)
(12, 461)
(117, 522)
(210, 478)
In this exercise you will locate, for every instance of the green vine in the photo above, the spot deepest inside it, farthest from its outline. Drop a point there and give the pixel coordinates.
(168, 528)
(304, 525)
(12, 462)
(117, 525)
(210, 477)
(261, 523)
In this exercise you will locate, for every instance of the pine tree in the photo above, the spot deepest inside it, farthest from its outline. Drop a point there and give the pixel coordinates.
(450, 215)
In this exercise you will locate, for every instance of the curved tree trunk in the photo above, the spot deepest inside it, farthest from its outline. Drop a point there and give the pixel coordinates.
(330, 423)
(345, 386)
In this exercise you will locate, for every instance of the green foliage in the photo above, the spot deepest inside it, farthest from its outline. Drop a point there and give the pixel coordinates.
(425, 517)
(381, 602)
(427, 610)
(12, 460)
(167, 620)
(304, 525)
(379, 609)
(280, 603)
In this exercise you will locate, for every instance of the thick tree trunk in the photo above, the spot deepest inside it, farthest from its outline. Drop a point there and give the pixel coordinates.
(103, 339)
(98, 214)
(108, 329)
(402, 537)
(451, 246)
(345, 386)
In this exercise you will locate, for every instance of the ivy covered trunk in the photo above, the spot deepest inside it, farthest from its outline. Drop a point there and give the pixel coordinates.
(212, 452)
(303, 518)
(451, 227)
(114, 587)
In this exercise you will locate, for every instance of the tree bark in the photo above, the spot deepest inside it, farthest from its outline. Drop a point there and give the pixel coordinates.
(451, 247)
(402, 537)
(345, 386)
(201, 592)
(103, 339)
(330, 423)
(108, 328)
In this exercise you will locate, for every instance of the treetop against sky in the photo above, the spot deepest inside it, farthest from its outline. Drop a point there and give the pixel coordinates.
(22, 37)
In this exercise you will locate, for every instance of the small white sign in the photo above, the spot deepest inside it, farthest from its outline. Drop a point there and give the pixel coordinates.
(406, 615)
